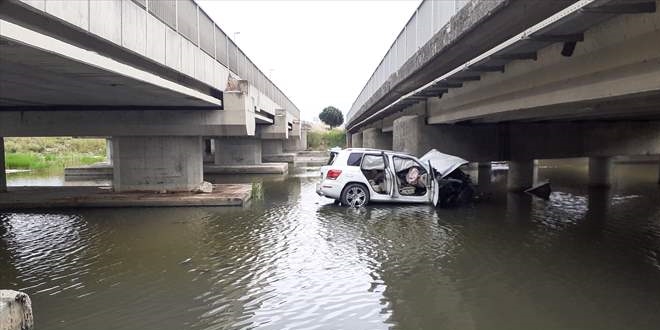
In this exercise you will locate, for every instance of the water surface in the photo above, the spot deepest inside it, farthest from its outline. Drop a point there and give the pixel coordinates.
(586, 259)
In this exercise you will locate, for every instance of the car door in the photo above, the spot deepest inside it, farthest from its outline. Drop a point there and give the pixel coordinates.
(389, 172)
(433, 192)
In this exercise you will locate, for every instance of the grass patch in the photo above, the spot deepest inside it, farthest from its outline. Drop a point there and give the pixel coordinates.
(58, 152)
(324, 140)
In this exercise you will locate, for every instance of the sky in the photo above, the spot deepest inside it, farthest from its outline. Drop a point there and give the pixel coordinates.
(319, 53)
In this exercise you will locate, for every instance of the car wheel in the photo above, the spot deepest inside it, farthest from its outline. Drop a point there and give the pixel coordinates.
(355, 195)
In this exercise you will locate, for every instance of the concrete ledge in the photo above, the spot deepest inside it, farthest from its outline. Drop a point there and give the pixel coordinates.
(279, 158)
(265, 168)
(311, 161)
(99, 171)
(313, 153)
(84, 197)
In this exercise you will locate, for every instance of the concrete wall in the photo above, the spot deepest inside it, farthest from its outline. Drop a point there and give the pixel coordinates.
(237, 151)
(157, 163)
(377, 139)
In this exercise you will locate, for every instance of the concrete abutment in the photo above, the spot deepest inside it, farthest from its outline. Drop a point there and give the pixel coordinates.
(157, 163)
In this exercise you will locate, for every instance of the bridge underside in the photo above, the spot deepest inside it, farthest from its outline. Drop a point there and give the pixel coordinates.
(49, 87)
(40, 72)
(580, 92)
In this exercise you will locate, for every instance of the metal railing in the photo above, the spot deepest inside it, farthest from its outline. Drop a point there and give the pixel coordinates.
(430, 17)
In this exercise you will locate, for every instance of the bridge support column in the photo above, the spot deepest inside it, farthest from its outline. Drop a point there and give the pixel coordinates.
(273, 151)
(156, 163)
(483, 173)
(237, 151)
(3, 173)
(599, 171)
(108, 150)
(521, 175)
(356, 140)
(377, 139)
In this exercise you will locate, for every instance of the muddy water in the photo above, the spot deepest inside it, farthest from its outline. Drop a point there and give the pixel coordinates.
(586, 259)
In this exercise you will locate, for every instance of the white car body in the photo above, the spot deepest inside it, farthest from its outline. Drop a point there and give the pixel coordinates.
(333, 185)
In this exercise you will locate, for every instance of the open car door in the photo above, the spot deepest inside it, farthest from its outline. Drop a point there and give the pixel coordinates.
(434, 192)
(389, 174)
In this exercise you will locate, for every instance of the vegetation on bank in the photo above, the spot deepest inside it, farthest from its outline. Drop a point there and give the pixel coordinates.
(324, 140)
(53, 152)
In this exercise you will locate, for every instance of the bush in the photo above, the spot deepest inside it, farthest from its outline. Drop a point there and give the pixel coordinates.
(324, 140)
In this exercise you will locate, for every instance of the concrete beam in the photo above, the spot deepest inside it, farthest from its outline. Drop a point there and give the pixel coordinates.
(489, 142)
(3, 174)
(157, 163)
(279, 129)
(472, 31)
(617, 61)
(377, 139)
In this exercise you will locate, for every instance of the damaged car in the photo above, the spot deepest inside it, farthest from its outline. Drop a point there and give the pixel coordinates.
(358, 176)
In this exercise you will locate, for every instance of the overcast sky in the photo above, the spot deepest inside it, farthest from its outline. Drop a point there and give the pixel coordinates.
(321, 52)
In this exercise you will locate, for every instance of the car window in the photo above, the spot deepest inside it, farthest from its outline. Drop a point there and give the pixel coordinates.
(373, 162)
(402, 164)
(354, 159)
(333, 156)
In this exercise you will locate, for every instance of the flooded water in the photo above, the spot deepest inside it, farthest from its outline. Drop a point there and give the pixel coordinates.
(585, 259)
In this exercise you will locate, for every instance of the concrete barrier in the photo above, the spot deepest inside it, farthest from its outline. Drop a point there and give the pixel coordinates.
(15, 311)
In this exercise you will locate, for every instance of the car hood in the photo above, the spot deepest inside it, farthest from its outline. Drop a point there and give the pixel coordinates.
(442, 163)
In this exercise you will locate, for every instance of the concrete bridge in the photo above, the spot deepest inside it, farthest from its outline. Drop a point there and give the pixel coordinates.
(157, 77)
(517, 81)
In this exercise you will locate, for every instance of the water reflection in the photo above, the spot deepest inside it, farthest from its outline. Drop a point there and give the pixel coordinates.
(585, 259)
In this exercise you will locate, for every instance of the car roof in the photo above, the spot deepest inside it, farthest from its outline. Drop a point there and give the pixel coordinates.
(373, 150)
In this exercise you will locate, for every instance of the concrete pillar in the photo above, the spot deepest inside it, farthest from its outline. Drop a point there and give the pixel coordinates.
(3, 173)
(108, 150)
(658, 173)
(483, 173)
(356, 140)
(521, 175)
(237, 151)
(157, 163)
(599, 171)
(407, 135)
(377, 139)
(295, 143)
(15, 311)
(272, 147)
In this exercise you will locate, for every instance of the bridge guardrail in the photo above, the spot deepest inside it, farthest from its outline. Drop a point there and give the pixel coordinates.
(429, 18)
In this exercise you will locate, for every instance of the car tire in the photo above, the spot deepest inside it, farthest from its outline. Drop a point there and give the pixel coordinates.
(355, 194)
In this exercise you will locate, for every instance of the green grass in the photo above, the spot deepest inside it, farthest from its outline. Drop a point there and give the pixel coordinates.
(45, 153)
(324, 140)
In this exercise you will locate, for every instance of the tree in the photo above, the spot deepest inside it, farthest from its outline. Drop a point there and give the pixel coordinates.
(332, 117)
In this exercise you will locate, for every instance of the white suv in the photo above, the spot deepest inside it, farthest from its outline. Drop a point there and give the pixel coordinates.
(357, 176)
